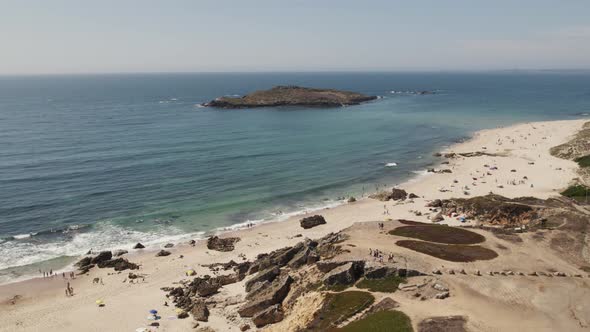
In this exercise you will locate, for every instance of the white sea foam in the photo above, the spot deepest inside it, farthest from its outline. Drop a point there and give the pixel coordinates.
(104, 236)
(22, 236)
(281, 216)
(390, 164)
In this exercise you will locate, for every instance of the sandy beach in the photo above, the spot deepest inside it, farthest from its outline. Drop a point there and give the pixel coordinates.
(518, 164)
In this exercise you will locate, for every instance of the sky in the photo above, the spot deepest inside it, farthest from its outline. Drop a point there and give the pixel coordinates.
(108, 36)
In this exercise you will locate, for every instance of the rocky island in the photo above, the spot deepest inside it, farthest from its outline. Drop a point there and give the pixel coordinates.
(292, 96)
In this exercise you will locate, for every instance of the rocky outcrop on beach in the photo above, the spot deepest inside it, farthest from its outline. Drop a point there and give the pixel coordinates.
(104, 259)
(222, 244)
(395, 194)
(451, 155)
(490, 209)
(273, 281)
(313, 221)
(292, 96)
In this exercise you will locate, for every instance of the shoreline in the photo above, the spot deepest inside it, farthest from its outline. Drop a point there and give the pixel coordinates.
(37, 293)
(233, 230)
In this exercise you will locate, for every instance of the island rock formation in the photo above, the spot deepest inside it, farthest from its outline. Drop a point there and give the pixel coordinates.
(292, 96)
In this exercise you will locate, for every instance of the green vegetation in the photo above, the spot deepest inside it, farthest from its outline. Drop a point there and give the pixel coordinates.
(583, 161)
(338, 307)
(385, 285)
(336, 288)
(449, 252)
(439, 233)
(576, 191)
(382, 321)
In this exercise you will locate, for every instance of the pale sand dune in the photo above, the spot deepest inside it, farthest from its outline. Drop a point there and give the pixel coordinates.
(44, 307)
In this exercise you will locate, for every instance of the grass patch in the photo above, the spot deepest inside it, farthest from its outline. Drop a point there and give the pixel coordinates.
(336, 288)
(445, 323)
(338, 307)
(411, 222)
(576, 191)
(583, 161)
(384, 285)
(449, 252)
(439, 234)
(382, 321)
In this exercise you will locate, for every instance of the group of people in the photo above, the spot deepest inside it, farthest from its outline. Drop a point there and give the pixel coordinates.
(52, 274)
(381, 226)
(378, 255)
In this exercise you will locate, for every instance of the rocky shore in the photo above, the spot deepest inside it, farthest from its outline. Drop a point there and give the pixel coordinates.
(490, 246)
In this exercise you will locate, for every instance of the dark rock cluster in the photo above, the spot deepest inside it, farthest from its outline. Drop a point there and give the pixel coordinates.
(222, 244)
(395, 194)
(313, 221)
(104, 259)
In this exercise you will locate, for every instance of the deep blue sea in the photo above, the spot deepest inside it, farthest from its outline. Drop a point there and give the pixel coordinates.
(104, 161)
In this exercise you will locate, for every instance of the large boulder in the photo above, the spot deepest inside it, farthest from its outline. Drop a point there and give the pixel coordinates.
(329, 265)
(395, 194)
(265, 275)
(270, 315)
(346, 274)
(398, 194)
(313, 221)
(373, 271)
(102, 257)
(383, 196)
(219, 244)
(84, 262)
(203, 286)
(200, 311)
(119, 264)
(275, 294)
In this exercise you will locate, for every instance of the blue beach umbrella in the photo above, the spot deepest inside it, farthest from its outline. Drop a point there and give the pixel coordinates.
(153, 311)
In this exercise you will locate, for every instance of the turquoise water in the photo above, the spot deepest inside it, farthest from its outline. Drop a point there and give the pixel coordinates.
(96, 161)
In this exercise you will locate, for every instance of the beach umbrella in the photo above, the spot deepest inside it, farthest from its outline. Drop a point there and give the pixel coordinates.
(153, 311)
(100, 302)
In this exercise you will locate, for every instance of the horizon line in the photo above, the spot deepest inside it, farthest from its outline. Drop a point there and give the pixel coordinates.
(343, 71)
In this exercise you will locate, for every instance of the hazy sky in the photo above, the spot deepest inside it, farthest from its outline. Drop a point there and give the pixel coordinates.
(77, 36)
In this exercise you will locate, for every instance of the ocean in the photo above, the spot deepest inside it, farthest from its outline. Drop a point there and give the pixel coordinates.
(105, 161)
